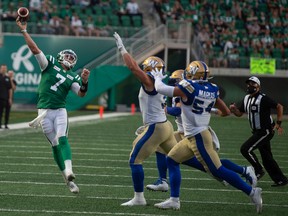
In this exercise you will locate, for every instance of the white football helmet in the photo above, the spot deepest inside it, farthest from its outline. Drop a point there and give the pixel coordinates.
(67, 57)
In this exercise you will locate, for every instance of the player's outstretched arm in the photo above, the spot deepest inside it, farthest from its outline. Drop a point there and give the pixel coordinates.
(220, 104)
(234, 109)
(29, 41)
(132, 64)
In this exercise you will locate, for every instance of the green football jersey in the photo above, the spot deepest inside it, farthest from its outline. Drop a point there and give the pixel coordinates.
(55, 85)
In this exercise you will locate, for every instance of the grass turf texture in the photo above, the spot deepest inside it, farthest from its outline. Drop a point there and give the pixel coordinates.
(32, 185)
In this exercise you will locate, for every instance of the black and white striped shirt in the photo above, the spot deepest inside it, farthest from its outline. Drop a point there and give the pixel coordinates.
(258, 108)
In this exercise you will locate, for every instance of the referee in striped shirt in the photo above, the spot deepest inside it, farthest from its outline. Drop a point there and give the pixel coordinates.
(258, 107)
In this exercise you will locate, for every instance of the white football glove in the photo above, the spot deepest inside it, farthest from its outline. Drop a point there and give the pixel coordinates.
(158, 74)
(119, 43)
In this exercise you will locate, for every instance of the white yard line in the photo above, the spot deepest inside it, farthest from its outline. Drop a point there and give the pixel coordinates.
(75, 119)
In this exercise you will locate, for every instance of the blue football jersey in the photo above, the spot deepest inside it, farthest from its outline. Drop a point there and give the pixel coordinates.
(201, 97)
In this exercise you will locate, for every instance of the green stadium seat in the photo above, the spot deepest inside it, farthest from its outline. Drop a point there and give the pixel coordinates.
(114, 20)
(125, 21)
(101, 20)
(286, 53)
(239, 24)
(244, 62)
(137, 21)
(98, 10)
(108, 11)
(276, 53)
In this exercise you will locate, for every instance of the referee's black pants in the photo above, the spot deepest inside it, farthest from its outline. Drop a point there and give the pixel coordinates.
(261, 140)
(2, 107)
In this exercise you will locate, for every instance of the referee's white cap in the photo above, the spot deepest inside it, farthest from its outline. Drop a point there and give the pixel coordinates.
(253, 79)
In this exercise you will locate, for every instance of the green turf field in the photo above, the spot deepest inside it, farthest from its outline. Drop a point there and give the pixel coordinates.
(30, 183)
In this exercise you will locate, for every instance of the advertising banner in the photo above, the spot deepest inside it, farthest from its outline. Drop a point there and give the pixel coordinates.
(17, 56)
(262, 66)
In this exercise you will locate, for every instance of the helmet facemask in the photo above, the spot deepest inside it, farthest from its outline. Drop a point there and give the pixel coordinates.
(175, 77)
(68, 58)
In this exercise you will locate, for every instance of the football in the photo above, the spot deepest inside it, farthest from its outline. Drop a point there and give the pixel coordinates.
(23, 13)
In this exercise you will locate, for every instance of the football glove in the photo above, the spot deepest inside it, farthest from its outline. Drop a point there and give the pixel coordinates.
(119, 43)
(158, 74)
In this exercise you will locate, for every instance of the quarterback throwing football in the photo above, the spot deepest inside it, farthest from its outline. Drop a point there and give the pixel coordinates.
(57, 79)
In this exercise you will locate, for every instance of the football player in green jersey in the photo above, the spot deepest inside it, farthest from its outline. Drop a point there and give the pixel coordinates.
(57, 79)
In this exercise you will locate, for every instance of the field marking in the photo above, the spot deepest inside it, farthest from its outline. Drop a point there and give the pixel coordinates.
(129, 176)
(112, 160)
(231, 189)
(74, 212)
(127, 198)
(183, 168)
(85, 118)
(74, 149)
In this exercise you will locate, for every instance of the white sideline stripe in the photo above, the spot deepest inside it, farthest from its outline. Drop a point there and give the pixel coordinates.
(118, 198)
(117, 154)
(105, 149)
(183, 168)
(130, 186)
(122, 176)
(74, 212)
(102, 175)
(74, 119)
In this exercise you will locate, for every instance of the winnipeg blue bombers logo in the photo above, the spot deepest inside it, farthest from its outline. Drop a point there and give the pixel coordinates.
(193, 69)
(152, 63)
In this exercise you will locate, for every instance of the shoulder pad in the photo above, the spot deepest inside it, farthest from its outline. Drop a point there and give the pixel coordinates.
(186, 85)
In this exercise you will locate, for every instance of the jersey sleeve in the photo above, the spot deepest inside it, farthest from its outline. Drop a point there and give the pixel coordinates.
(51, 62)
(42, 60)
(77, 79)
(267, 101)
(241, 107)
(186, 87)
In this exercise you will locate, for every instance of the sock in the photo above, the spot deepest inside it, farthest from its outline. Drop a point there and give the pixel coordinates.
(68, 166)
(233, 179)
(174, 176)
(175, 199)
(193, 162)
(137, 177)
(232, 166)
(139, 195)
(65, 148)
(58, 157)
(161, 165)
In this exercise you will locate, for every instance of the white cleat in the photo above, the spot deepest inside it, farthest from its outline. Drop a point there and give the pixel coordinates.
(73, 187)
(135, 202)
(169, 204)
(250, 176)
(159, 185)
(256, 198)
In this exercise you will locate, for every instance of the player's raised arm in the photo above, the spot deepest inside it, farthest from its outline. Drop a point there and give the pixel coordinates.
(31, 44)
(132, 64)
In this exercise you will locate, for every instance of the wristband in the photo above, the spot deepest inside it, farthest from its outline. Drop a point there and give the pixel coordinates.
(279, 122)
(123, 50)
(84, 87)
(23, 30)
(215, 111)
